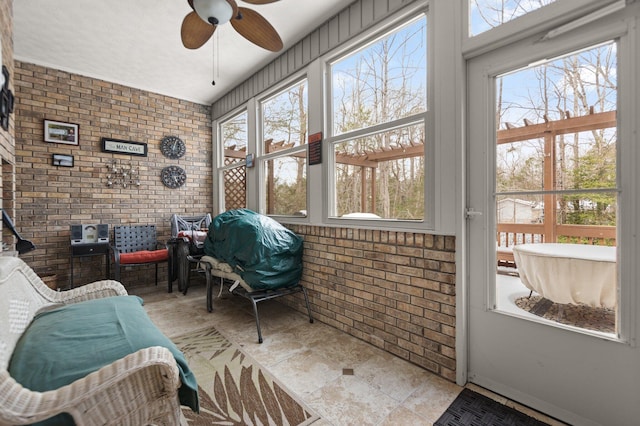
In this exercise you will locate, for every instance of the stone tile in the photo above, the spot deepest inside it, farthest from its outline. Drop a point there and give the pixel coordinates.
(306, 372)
(343, 349)
(349, 400)
(432, 398)
(392, 376)
(404, 417)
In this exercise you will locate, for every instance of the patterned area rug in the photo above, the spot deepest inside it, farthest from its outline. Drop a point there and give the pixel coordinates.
(473, 409)
(597, 319)
(233, 388)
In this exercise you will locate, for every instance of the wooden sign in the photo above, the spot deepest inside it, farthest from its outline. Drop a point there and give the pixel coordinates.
(315, 148)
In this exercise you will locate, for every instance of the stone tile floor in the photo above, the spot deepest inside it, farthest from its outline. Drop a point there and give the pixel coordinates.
(343, 379)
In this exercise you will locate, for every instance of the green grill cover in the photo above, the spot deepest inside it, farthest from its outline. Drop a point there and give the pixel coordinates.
(263, 252)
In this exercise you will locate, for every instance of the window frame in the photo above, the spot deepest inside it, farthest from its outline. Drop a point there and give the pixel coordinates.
(261, 157)
(218, 154)
(536, 21)
(426, 118)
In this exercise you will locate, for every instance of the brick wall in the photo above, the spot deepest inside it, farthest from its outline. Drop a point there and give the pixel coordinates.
(49, 199)
(394, 290)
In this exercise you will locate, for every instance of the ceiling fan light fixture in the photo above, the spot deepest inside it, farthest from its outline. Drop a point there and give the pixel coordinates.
(215, 12)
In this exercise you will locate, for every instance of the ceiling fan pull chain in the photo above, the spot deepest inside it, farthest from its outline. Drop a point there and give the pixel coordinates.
(213, 64)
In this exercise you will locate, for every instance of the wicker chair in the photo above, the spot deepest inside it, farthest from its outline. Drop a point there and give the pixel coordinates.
(138, 245)
(138, 389)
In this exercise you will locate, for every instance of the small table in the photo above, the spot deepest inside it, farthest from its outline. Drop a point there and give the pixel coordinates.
(86, 250)
(569, 273)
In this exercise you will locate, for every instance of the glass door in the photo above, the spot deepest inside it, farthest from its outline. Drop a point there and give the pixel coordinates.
(547, 324)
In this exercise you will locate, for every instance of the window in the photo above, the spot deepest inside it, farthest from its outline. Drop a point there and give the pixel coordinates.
(233, 173)
(487, 14)
(557, 174)
(284, 150)
(378, 106)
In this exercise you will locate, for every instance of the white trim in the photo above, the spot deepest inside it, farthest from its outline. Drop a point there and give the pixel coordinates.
(629, 158)
(587, 19)
(534, 22)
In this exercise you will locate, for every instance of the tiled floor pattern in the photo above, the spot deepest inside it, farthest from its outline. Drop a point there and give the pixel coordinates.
(345, 380)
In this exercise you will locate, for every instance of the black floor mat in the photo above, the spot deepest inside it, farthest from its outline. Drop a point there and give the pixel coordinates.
(473, 409)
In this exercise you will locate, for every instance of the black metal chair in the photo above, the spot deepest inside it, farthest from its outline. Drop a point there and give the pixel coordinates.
(187, 246)
(135, 245)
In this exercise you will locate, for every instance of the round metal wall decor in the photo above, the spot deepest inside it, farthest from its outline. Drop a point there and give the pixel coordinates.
(173, 176)
(173, 147)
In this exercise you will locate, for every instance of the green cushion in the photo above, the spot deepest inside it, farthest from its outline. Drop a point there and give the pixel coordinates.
(67, 343)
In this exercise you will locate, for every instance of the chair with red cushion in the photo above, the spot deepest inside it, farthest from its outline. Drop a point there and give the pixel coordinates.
(138, 245)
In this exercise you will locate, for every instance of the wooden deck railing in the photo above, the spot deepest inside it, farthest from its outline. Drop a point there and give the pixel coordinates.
(510, 234)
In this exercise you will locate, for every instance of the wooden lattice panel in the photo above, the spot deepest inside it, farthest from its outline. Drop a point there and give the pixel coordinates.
(235, 188)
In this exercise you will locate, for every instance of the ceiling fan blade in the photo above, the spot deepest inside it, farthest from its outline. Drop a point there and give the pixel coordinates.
(195, 32)
(260, 1)
(255, 28)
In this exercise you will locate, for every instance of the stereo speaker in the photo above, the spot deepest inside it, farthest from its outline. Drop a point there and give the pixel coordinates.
(103, 233)
(76, 234)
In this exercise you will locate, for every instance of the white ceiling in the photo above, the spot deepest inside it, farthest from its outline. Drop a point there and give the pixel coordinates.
(137, 43)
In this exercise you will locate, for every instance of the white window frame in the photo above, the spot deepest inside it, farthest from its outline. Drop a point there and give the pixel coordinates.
(262, 158)
(427, 118)
(542, 19)
(218, 158)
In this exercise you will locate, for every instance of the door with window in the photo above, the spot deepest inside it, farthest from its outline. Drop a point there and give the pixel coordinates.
(551, 301)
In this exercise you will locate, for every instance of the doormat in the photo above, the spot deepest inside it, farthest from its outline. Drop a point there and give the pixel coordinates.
(473, 409)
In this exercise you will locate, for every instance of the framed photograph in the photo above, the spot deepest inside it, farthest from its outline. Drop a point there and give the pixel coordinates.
(62, 160)
(59, 132)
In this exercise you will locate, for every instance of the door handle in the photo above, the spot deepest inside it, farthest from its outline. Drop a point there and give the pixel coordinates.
(470, 213)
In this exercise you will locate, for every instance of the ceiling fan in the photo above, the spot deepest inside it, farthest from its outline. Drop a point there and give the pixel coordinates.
(199, 25)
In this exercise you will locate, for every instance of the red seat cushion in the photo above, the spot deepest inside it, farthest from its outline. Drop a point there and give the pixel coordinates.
(144, 256)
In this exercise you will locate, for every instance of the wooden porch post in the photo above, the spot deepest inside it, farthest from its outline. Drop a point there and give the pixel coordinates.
(549, 170)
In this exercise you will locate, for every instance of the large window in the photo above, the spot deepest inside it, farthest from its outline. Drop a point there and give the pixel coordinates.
(284, 150)
(233, 173)
(557, 181)
(378, 105)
